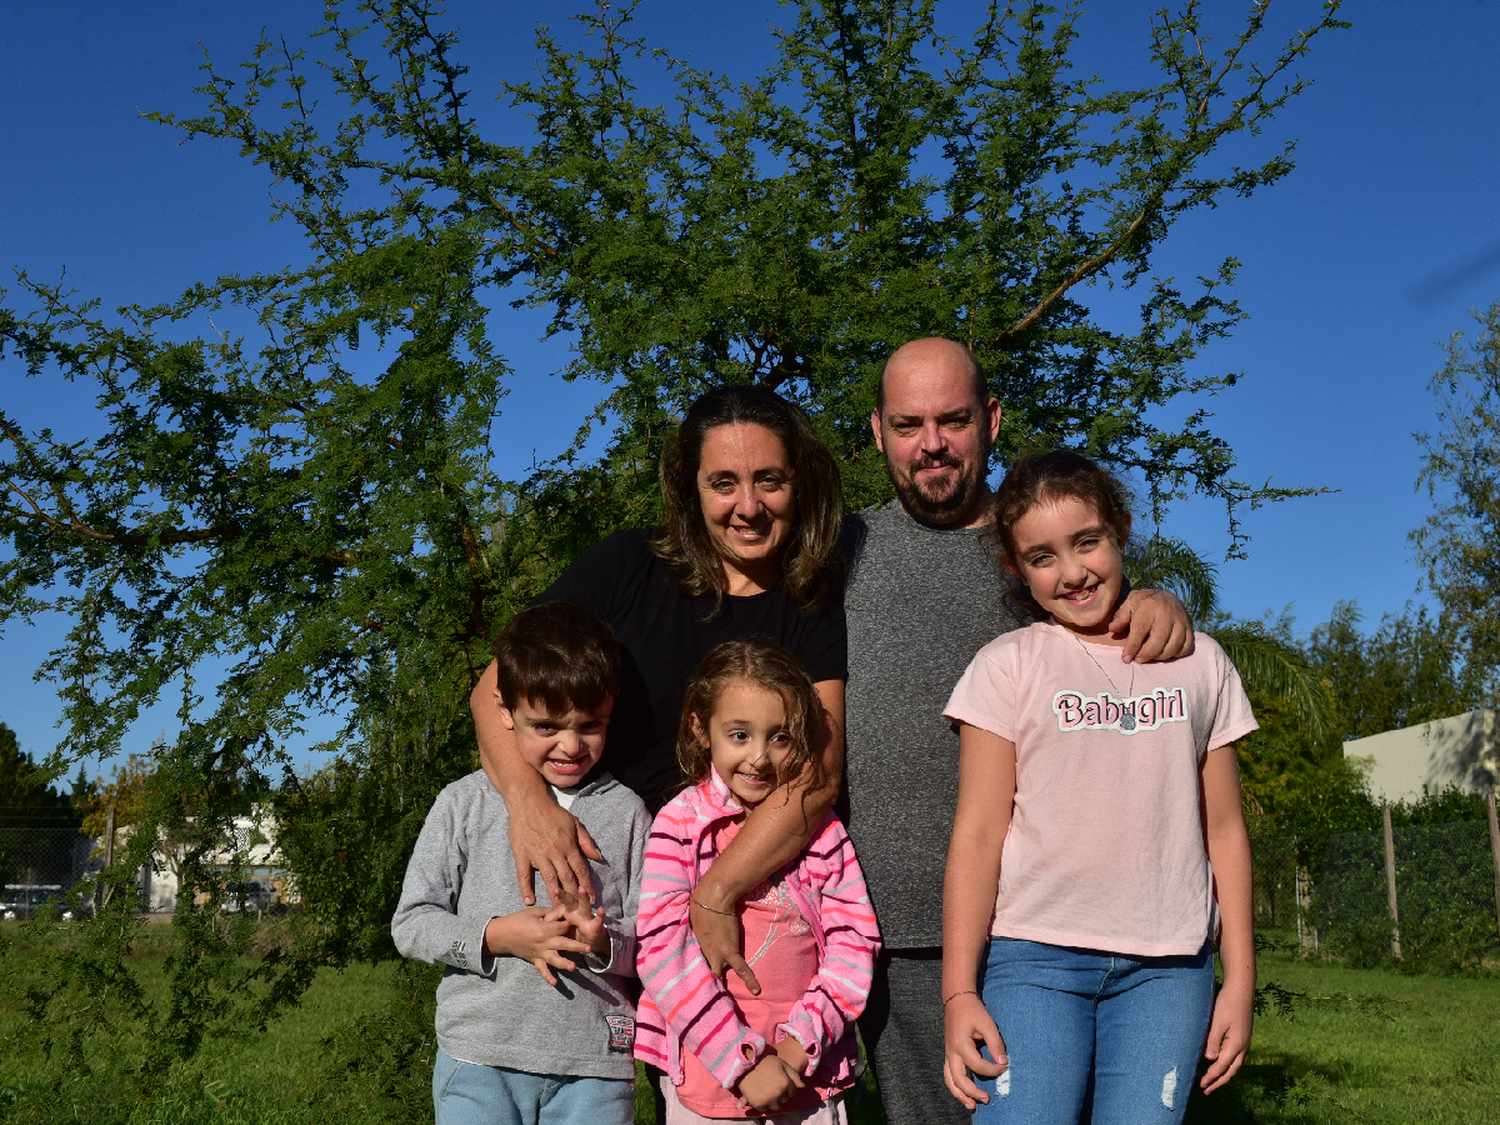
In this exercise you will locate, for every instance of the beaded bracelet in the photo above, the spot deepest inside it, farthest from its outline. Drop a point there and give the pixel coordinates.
(956, 995)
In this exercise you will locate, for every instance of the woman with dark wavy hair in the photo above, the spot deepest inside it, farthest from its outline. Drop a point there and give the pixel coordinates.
(809, 563)
(748, 548)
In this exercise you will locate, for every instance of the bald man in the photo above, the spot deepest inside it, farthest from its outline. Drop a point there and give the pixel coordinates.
(924, 595)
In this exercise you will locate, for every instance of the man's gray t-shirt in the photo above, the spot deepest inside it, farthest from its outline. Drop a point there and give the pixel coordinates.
(920, 602)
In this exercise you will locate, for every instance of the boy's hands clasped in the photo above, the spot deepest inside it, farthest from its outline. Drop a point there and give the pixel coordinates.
(544, 935)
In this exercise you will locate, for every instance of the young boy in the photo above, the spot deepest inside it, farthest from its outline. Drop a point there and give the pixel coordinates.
(535, 1021)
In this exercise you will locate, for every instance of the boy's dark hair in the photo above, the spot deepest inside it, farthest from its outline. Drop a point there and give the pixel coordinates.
(1055, 476)
(557, 656)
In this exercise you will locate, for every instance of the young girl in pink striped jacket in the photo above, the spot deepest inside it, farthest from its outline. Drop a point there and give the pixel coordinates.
(748, 722)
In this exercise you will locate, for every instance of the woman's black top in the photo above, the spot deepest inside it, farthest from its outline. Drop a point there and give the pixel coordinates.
(663, 635)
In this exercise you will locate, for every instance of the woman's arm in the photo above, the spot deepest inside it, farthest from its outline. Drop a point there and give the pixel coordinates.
(772, 836)
(1229, 853)
(543, 836)
(986, 794)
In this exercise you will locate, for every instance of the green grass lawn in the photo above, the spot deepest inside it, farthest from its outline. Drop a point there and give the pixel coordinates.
(1380, 1047)
(1357, 1046)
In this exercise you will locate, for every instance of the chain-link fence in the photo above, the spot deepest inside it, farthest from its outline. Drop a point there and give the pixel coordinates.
(1444, 874)
(1445, 887)
(1444, 878)
(42, 855)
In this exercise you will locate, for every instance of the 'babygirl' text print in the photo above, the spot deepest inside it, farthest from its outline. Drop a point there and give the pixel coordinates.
(1076, 711)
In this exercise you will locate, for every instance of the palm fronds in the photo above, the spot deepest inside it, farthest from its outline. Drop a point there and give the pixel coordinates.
(1269, 665)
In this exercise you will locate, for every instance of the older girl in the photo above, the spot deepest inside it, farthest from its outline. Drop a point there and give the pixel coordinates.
(1099, 849)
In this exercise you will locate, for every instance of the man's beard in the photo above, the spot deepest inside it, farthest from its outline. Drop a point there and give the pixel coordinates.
(950, 505)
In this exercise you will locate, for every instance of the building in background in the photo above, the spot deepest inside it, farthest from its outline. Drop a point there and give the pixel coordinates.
(253, 849)
(1432, 756)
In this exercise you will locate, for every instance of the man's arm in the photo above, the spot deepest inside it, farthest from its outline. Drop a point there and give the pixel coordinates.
(772, 836)
(543, 836)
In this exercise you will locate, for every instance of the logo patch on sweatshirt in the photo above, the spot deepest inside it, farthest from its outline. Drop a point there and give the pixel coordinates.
(621, 1032)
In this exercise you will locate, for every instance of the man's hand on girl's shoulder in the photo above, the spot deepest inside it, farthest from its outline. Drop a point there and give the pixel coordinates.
(1157, 626)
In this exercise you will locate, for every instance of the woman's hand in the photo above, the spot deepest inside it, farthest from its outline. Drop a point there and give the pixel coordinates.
(1158, 623)
(966, 1024)
(546, 838)
(770, 1084)
(718, 934)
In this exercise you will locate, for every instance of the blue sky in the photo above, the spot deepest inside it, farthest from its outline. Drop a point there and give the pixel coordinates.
(1354, 269)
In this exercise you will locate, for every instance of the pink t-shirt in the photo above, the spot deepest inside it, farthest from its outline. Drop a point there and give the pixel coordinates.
(1106, 847)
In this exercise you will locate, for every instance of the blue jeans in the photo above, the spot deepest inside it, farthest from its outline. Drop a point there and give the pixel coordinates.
(1133, 1027)
(470, 1094)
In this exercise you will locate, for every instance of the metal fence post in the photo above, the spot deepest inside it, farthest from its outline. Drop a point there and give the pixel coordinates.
(109, 853)
(1307, 936)
(1390, 880)
(1489, 810)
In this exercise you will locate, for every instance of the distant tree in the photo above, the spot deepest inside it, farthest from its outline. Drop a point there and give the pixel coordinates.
(1408, 671)
(17, 781)
(1402, 673)
(23, 783)
(1460, 542)
(125, 792)
(37, 823)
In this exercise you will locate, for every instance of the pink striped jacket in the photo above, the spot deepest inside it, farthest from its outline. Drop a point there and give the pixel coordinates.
(684, 1005)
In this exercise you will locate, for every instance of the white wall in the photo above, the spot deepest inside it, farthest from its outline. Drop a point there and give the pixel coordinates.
(1458, 751)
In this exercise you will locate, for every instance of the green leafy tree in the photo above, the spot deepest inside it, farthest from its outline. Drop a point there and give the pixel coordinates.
(313, 500)
(37, 823)
(20, 784)
(1460, 542)
(1407, 671)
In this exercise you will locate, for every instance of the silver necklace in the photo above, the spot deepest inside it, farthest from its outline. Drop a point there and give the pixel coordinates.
(1127, 717)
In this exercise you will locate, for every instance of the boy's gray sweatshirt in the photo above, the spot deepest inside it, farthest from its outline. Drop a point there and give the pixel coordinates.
(497, 1011)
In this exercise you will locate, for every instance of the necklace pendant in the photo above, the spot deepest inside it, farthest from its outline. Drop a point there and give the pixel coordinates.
(1127, 721)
